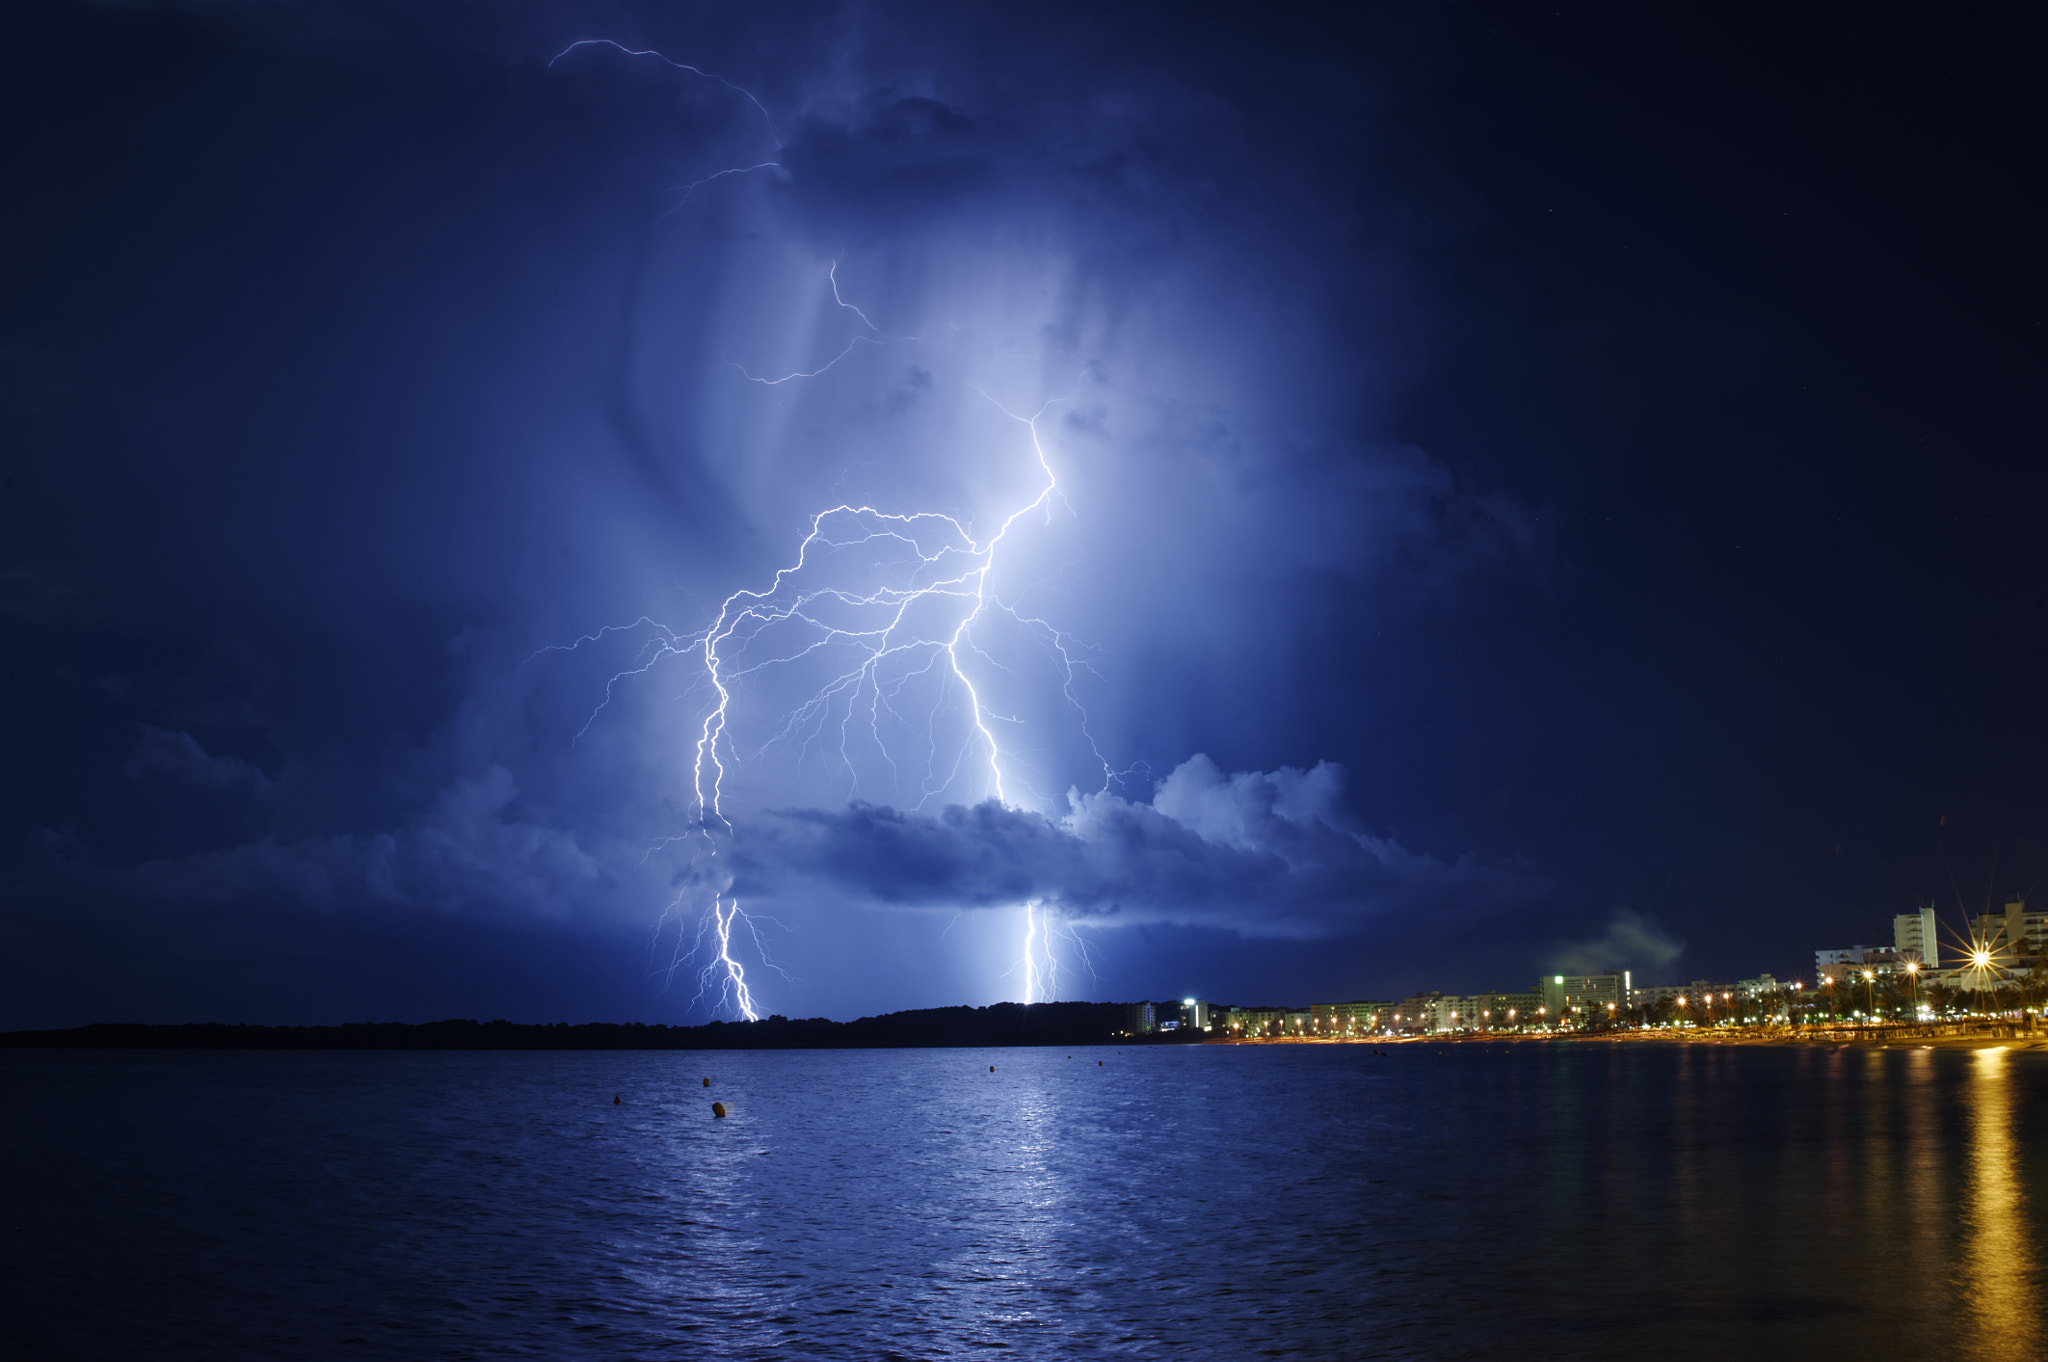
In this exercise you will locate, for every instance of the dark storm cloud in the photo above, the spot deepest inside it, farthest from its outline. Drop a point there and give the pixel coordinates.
(1610, 514)
(469, 852)
(1261, 853)
(887, 157)
(444, 373)
(163, 754)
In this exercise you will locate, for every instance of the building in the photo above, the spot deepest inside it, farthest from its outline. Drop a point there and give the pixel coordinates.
(1194, 1013)
(1257, 1021)
(1702, 999)
(1449, 1012)
(1509, 1011)
(1761, 986)
(1356, 1018)
(1914, 937)
(2013, 933)
(1831, 966)
(1583, 995)
(1140, 1019)
(1416, 1012)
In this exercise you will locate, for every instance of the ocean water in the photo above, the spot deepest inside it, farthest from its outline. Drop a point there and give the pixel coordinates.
(1524, 1201)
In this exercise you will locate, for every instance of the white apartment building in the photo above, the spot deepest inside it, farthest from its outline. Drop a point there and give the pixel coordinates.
(2014, 931)
(1914, 937)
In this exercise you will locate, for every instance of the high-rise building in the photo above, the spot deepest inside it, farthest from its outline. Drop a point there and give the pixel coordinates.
(1585, 995)
(2014, 932)
(1913, 937)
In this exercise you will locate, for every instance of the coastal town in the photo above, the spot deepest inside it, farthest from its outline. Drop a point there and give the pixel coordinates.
(1998, 966)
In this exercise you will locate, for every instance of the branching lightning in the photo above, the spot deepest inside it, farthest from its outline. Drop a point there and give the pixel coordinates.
(884, 631)
(896, 637)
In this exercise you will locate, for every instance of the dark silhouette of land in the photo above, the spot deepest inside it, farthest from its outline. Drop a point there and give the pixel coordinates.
(998, 1024)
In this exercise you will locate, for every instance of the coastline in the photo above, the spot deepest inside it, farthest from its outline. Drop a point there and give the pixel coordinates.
(1840, 1038)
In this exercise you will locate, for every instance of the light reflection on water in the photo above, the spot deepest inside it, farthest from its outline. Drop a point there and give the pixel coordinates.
(1560, 1201)
(1998, 1289)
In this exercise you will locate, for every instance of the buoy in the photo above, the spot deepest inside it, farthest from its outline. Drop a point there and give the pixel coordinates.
(618, 1101)
(991, 1068)
(707, 1082)
(718, 1110)
(1098, 1063)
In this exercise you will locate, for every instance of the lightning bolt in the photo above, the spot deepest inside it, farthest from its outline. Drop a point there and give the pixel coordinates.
(858, 340)
(936, 559)
(877, 638)
(910, 618)
(766, 120)
(1030, 960)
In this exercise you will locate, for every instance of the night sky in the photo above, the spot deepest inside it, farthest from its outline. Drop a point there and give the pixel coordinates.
(1534, 489)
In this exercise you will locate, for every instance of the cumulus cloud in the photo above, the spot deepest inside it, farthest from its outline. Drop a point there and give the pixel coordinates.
(1265, 853)
(1631, 941)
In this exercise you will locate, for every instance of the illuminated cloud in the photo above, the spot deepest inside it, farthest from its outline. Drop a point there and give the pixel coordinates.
(1261, 853)
(1631, 941)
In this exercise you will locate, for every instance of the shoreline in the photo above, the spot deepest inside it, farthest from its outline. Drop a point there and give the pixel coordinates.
(1842, 1038)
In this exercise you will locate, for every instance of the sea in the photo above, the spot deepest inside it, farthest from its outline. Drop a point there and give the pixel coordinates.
(1525, 1200)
